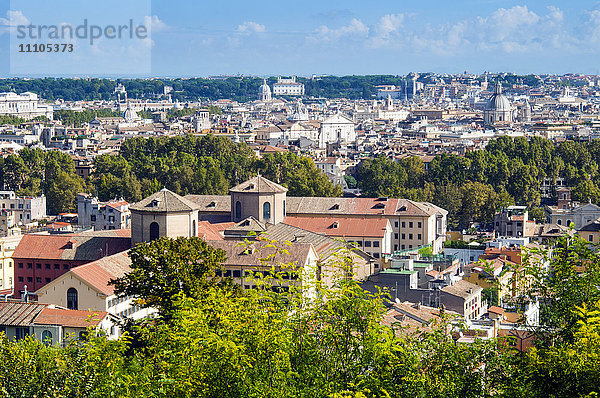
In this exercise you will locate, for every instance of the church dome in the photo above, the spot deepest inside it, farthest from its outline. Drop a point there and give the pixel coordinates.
(130, 115)
(264, 92)
(498, 102)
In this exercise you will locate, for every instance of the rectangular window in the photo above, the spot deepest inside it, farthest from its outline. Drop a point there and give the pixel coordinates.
(47, 266)
(56, 266)
(237, 273)
(30, 265)
(20, 265)
(591, 239)
(395, 236)
(93, 217)
(395, 247)
(48, 280)
(376, 255)
(419, 224)
(38, 266)
(410, 224)
(38, 279)
(396, 224)
(403, 224)
(21, 333)
(403, 247)
(65, 266)
(419, 236)
(410, 236)
(403, 236)
(21, 279)
(375, 243)
(367, 243)
(29, 279)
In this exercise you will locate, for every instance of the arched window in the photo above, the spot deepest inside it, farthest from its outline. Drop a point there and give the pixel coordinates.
(194, 228)
(154, 231)
(559, 222)
(238, 210)
(47, 337)
(72, 299)
(267, 210)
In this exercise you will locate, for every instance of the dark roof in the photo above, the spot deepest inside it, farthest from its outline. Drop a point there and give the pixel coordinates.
(258, 184)
(462, 288)
(211, 203)
(594, 226)
(240, 255)
(164, 201)
(249, 224)
(19, 314)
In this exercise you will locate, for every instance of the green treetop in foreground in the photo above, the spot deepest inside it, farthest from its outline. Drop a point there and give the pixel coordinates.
(220, 342)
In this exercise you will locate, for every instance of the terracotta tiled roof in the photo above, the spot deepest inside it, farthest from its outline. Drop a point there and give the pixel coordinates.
(208, 231)
(496, 310)
(69, 247)
(98, 273)
(341, 226)
(70, 318)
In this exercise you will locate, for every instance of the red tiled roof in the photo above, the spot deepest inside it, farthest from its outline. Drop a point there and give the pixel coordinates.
(208, 231)
(341, 226)
(98, 273)
(70, 318)
(56, 247)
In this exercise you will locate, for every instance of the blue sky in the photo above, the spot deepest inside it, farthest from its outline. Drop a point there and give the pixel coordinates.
(201, 38)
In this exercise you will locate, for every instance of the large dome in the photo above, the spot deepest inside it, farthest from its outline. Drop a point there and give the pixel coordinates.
(130, 115)
(264, 88)
(498, 102)
(264, 92)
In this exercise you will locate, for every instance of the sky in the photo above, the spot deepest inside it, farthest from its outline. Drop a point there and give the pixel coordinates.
(265, 38)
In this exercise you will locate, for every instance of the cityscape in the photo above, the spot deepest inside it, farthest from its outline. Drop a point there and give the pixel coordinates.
(413, 233)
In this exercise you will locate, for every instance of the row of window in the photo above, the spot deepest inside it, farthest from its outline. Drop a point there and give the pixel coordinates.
(118, 300)
(259, 274)
(12, 206)
(368, 243)
(410, 224)
(129, 311)
(39, 266)
(30, 279)
(410, 236)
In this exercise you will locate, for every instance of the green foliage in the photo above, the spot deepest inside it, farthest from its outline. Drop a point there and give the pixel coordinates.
(9, 119)
(35, 172)
(473, 187)
(79, 118)
(164, 268)
(305, 341)
(200, 165)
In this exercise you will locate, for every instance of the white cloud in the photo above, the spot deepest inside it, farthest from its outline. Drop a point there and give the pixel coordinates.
(386, 31)
(250, 27)
(356, 28)
(154, 24)
(13, 19)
